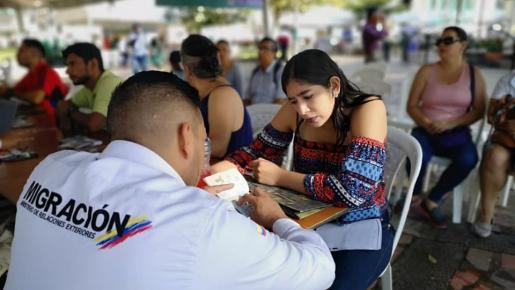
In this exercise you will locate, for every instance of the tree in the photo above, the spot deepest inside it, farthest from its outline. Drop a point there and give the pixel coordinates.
(195, 18)
(361, 5)
(278, 7)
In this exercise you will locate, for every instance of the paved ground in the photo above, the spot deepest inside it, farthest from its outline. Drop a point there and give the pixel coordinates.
(454, 258)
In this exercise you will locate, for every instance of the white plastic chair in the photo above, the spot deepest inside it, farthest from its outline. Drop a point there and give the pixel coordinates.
(375, 87)
(368, 74)
(261, 115)
(505, 193)
(399, 147)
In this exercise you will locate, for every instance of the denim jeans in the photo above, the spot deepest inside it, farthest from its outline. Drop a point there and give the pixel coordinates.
(463, 159)
(139, 63)
(358, 269)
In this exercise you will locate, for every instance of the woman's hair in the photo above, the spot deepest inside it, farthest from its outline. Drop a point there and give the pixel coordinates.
(201, 56)
(315, 67)
(462, 35)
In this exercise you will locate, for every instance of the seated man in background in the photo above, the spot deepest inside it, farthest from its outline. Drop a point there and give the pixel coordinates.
(265, 79)
(132, 218)
(175, 64)
(85, 67)
(499, 156)
(41, 85)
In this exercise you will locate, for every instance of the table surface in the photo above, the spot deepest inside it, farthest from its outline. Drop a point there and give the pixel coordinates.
(42, 138)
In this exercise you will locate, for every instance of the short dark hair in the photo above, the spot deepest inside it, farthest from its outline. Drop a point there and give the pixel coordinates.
(86, 51)
(141, 104)
(222, 41)
(462, 35)
(175, 56)
(268, 39)
(201, 55)
(34, 43)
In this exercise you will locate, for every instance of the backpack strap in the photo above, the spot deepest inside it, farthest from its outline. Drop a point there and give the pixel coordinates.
(277, 67)
(472, 76)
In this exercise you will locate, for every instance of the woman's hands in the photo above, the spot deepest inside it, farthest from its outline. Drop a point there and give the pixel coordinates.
(439, 126)
(267, 172)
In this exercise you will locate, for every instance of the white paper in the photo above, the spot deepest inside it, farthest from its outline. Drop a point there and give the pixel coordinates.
(233, 176)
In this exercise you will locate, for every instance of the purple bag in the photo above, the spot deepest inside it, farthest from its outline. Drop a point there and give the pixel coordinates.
(454, 137)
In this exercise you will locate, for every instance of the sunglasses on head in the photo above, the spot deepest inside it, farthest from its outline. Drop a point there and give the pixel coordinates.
(446, 40)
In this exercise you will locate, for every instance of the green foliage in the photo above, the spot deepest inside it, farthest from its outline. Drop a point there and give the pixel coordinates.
(361, 5)
(278, 7)
(196, 18)
(491, 44)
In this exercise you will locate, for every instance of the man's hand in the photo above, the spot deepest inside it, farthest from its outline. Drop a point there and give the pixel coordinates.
(3, 89)
(63, 117)
(266, 172)
(216, 189)
(266, 210)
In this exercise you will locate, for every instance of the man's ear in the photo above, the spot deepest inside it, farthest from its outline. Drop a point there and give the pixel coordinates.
(91, 64)
(185, 139)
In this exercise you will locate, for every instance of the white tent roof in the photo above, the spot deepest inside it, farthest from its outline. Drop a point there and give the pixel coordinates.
(319, 17)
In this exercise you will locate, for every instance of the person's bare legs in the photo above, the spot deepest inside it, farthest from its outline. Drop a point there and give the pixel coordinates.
(494, 171)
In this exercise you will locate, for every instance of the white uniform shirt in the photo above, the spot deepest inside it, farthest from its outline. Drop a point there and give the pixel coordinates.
(505, 86)
(172, 236)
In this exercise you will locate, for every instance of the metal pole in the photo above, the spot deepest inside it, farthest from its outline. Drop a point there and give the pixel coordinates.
(458, 11)
(480, 23)
(266, 30)
(19, 20)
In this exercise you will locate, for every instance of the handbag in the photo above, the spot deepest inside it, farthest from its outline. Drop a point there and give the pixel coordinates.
(505, 110)
(455, 137)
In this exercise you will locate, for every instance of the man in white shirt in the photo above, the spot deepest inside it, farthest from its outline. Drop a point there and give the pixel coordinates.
(139, 49)
(498, 158)
(131, 218)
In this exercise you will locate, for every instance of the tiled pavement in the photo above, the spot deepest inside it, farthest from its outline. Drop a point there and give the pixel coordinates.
(454, 258)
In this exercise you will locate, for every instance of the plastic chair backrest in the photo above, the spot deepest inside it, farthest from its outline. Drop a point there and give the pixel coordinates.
(261, 115)
(368, 74)
(401, 145)
(378, 87)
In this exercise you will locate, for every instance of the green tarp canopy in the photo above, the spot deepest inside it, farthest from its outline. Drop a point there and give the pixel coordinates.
(213, 3)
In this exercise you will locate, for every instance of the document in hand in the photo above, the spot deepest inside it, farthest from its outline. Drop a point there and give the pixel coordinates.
(229, 176)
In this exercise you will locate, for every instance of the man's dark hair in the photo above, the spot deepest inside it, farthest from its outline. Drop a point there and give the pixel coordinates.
(34, 43)
(268, 39)
(222, 41)
(175, 57)
(85, 50)
(148, 101)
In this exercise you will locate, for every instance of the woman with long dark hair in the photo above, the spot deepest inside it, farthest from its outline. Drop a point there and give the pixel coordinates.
(339, 154)
(225, 118)
(446, 97)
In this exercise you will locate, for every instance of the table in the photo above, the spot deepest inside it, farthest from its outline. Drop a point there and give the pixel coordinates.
(43, 139)
(326, 215)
